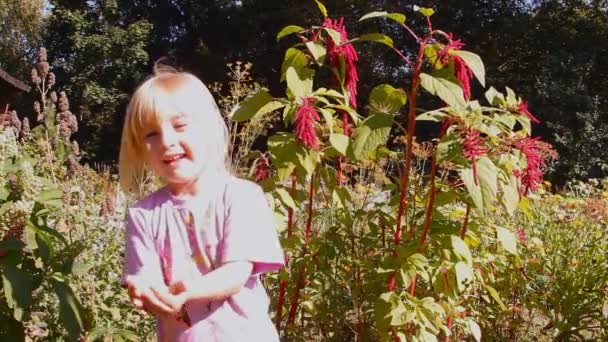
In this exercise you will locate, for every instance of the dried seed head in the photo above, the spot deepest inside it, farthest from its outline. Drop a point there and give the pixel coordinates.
(42, 57)
(75, 148)
(63, 104)
(43, 68)
(73, 165)
(15, 122)
(73, 123)
(25, 128)
(37, 107)
(35, 78)
(51, 80)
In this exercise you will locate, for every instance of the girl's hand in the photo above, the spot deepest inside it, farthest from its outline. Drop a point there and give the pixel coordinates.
(165, 302)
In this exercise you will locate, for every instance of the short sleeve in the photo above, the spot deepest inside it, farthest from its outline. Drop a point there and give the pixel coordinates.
(249, 231)
(141, 258)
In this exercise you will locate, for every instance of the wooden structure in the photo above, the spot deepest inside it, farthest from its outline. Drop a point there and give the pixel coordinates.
(9, 88)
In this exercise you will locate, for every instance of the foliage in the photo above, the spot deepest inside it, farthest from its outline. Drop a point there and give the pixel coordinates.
(104, 55)
(483, 161)
(58, 245)
(21, 27)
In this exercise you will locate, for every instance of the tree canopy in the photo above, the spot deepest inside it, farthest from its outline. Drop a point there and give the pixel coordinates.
(550, 51)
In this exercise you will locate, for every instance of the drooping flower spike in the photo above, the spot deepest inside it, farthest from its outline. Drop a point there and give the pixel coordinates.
(306, 118)
(474, 147)
(462, 71)
(347, 52)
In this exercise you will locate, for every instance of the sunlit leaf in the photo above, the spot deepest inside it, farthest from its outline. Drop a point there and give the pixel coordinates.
(287, 30)
(249, 107)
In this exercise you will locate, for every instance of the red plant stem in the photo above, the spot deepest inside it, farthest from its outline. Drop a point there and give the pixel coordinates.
(339, 172)
(463, 229)
(283, 286)
(449, 324)
(429, 208)
(412, 289)
(341, 160)
(281, 300)
(311, 193)
(302, 275)
(293, 308)
(412, 97)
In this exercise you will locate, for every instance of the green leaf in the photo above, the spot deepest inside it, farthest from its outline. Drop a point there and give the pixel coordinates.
(484, 192)
(339, 142)
(474, 62)
(11, 245)
(464, 275)
(507, 240)
(329, 92)
(432, 116)
(287, 154)
(287, 30)
(427, 12)
(18, 287)
(427, 336)
(384, 98)
(475, 330)
(461, 250)
(322, 8)
(299, 81)
(378, 38)
(372, 133)
(70, 309)
(340, 197)
(249, 107)
(495, 98)
(318, 51)
(4, 193)
(51, 196)
(328, 118)
(449, 147)
(398, 17)
(510, 194)
(286, 198)
(293, 58)
(335, 35)
(494, 294)
(445, 86)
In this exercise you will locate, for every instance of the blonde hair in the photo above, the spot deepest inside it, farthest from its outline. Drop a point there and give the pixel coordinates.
(166, 93)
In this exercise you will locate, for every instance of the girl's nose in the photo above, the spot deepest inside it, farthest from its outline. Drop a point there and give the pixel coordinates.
(168, 137)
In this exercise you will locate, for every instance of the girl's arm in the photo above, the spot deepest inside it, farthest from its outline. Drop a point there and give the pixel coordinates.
(218, 284)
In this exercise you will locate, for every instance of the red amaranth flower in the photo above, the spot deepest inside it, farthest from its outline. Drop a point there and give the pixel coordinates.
(306, 116)
(262, 169)
(521, 236)
(463, 74)
(532, 175)
(462, 71)
(346, 51)
(473, 148)
(522, 107)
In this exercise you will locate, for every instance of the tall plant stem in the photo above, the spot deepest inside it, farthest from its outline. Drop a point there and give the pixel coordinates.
(429, 208)
(302, 274)
(412, 97)
(463, 229)
(283, 286)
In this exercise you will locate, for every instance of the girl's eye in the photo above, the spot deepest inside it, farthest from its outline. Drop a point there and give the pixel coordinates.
(180, 126)
(151, 134)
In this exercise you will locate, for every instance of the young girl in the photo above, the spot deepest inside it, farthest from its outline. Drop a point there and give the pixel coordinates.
(196, 247)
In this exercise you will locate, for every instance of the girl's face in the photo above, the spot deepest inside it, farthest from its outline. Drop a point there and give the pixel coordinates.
(174, 149)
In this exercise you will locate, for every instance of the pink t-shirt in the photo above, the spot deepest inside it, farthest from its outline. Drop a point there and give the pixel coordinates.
(232, 222)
